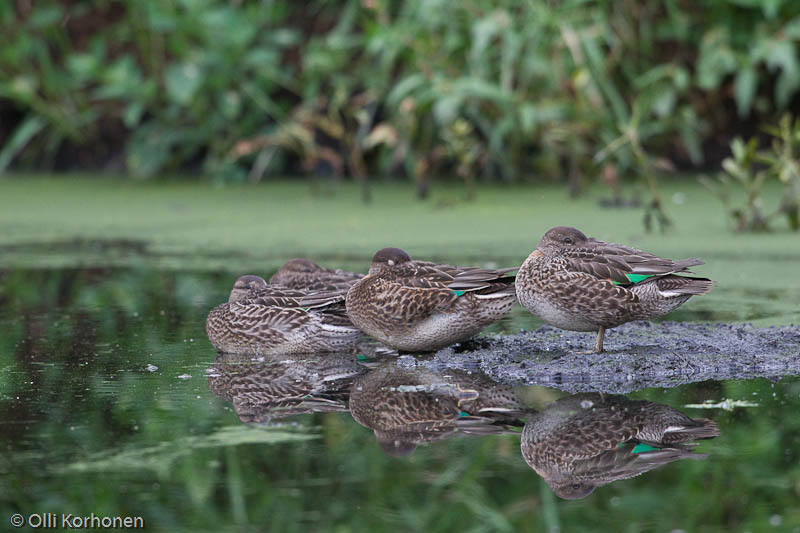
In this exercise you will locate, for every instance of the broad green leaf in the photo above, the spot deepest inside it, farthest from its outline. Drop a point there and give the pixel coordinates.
(597, 65)
(483, 31)
(45, 16)
(690, 137)
(82, 66)
(446, 109)
(787, 86)
(404, 87)
(182, 81)
(262, 57)
(738, 149)
(32, 125)
(655, 74)
(791, 30)
(663, 103)
(716, 59)
(478, 88)
(527, 117)
(745, 90)
(132, 114)
(771, 7)
(285, 37)
(21, 87)
(120, 79)
(230, 104)
(148, 150)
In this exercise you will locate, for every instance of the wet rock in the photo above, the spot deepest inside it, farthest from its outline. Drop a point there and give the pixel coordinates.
(406, 361)
(638, 355)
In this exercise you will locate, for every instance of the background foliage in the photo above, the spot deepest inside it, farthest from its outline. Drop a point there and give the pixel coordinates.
(537, 90)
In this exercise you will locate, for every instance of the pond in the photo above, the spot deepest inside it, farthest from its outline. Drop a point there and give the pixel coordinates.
(114, 404)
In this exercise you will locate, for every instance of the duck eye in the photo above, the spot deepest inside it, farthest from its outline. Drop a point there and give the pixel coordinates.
(567, 240)
(576, 486)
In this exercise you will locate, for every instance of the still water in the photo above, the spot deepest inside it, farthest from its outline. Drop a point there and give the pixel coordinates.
(114, 404)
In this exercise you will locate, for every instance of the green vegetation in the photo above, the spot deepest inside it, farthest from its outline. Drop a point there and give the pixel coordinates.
(555, 91)
(750, 167)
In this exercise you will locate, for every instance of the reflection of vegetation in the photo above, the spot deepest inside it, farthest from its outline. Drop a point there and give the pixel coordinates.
(160, 457)
(73, 348)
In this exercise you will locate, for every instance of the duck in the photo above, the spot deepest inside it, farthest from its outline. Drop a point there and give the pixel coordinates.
(420, 306)
(300, 273)
(264, 319)
(578, 283)
(583, 441)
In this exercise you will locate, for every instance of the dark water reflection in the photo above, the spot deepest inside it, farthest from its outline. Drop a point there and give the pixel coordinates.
(113, 402)
(576, 443)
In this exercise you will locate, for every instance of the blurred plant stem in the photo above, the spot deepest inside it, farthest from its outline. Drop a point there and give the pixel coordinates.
(751, 167)
(644, 165)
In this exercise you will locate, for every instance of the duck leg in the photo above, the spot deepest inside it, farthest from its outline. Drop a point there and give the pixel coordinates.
(598, 346)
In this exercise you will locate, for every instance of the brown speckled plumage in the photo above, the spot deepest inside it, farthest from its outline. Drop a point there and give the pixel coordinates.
(307, 275)
(583, 284)
(408, 407)
(583, 441)
(421, 306)
(275, 320)
(276, 386)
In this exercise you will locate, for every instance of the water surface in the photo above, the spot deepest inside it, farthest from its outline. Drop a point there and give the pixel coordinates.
(113, 402)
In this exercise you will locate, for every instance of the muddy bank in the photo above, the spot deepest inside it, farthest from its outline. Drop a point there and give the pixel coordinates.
(638, 355)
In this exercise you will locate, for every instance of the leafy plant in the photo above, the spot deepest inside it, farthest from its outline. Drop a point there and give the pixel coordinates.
(423, 90)
(783, 162)
(750, 167)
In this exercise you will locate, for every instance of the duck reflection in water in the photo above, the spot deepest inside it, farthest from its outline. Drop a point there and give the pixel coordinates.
(577, 443)
(270, 387)
(406, 408)
(584, 441)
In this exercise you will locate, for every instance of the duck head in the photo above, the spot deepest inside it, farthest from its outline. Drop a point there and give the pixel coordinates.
(388, 258)
(561, 237)
(244, 285)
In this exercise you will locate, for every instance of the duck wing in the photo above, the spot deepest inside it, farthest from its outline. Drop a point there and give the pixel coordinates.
(329, 305)
(323, 298)
(622, 264)
(265, 320)
(272, 296)
(423, 274)
(285, 309)
(484, 280)
(626, 462)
